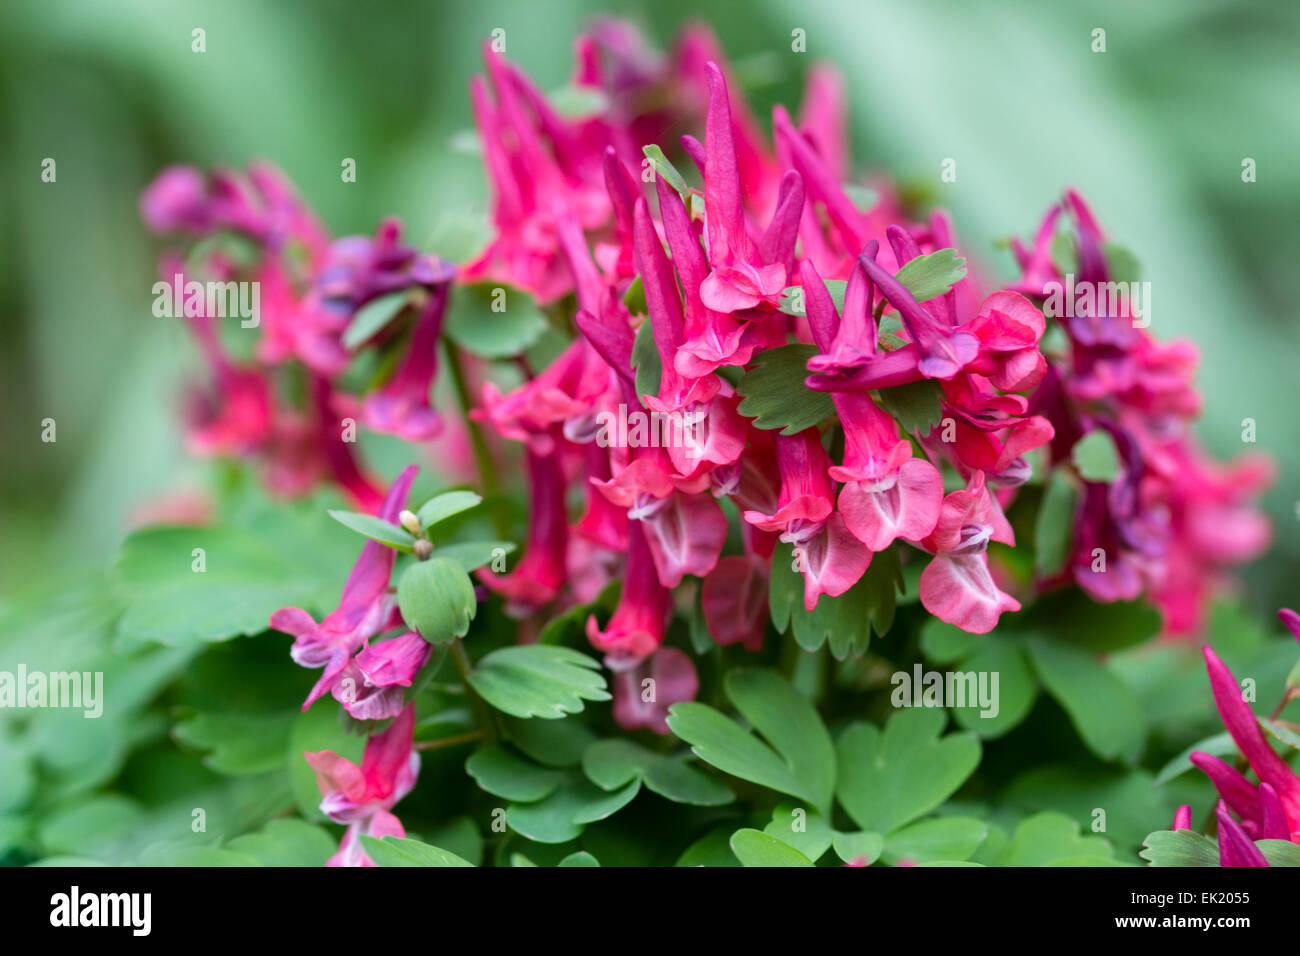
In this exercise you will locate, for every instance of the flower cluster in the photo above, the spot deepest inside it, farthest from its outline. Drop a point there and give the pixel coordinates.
(849, 395)
(1173, 520)
(1247, 812)
(290, 405)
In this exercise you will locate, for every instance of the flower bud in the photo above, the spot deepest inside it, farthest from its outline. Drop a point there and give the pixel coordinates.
(423, 549)
(409, 521)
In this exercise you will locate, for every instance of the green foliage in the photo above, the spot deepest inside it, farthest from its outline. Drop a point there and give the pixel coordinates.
(492, 320)
(403, 851)
(774, 393)
(930, 276)
(800, 760)
(538, 680)
(436, 598)
(1096, 457)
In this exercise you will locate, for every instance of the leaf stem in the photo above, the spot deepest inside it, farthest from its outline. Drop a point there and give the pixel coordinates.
(482, 455)
(483, 714)
(450, 741)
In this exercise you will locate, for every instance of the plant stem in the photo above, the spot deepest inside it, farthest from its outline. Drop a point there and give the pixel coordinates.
(450, 741)
(483, 714)
(482, 455)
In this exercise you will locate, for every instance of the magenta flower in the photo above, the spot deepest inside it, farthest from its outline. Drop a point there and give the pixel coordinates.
(887, 494)
(734, 599)
(637, 626)
(742, 275)
(830, 558)
(1275, 810)
(539, 575)
(366, 608)
(643, 694)
(361, 797)
(956, 586)
(540, 169)
(371, 685)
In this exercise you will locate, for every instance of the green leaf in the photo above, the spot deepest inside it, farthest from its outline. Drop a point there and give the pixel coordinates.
(1217, 745)
(890, 778)
(1053, 839)
(862, 848)
(472, 555)
(436, 598)
(611, 764)
(286, 842)
(1101, 706)
(634, 297)
(443, 506)
(403, 851)
(373, 316)
(939, 838)
(945, 643)
(756, 848)
(917, 405)
(1053, 524)
(538, 680)
(1071, 617)
(498, 771)
(647, 361)
(1280, 852)
(1179, 848)
(1280, 733)
(805, 830)
(666, 169)
(377, 529)
(1013, 696)
(239, 743)
(790, 723)
(712, 849)
(554, 743)
(561, 816)
(774, 393)
(803, 762)
(930, 276)
(846, 621)
(581, 858)
(245, 580)
(1096, 457)
(474, 325)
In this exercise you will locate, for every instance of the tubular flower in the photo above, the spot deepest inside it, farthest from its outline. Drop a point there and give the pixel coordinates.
(361, 797)
(1171, 522)
(366, 608)
(956, 586)
(830, 558)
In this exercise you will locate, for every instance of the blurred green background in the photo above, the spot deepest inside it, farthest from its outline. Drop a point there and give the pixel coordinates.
(1154, 131)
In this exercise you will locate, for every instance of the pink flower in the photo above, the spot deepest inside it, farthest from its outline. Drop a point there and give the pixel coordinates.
(1278, 808)
(370, 686)
(539, 575)
(362, 797)
(366, 608)
(643, 694)
(956, 585)
(734, 600)
(831, 559)
(742, 275)
(887, 493)
(637, 626)
(540, 169)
